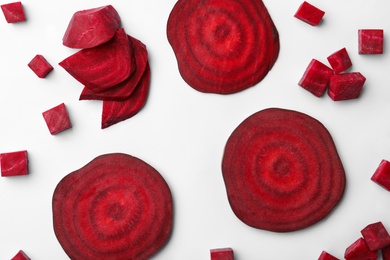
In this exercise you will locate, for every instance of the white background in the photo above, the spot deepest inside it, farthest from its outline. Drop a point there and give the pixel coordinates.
(182, 132)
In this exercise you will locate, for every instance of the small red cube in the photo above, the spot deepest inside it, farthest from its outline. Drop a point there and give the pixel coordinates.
(316, 77)
(376, 236)
(14, 163)
(326, 256)
(360, 250)
(340, 61)
(309, 13)
(20, 256)
(370, 41)
(40, 66)
(386, 253)
(57, 119)
(13, 12)
(222, 254)
(346, 86)
(381, 175)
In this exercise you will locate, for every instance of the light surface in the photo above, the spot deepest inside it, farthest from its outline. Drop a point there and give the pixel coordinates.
(182, 132)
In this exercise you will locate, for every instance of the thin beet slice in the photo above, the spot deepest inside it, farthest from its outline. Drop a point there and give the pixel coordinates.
(115, 207)
(222, 47)
(91, 27)
(282, 171)
(124, 89)
(103, 66)
(117, 111)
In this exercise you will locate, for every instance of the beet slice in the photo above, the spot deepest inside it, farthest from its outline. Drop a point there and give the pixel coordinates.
(282, 171)
(103, 66)
(117, 111)
(222, 47)
(124, 89)
(92, 27)
(115, 207)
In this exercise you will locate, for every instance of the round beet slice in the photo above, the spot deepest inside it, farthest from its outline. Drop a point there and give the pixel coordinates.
(222, 46)
(282, 171)
(115, 207)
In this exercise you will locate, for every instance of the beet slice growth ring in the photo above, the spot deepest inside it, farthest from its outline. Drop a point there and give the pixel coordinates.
(115, 207)
(282, 171)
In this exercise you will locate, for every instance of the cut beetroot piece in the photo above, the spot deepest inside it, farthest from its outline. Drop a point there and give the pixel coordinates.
(222, 254)
(386, 253)
(222, 47)
(40, 66)
(370, 41)
(346, 86)
(117, 111)
(340, 61)
(376, 236)
(20, 256)
(326, 256)
(359, 250)
(381, 175)
(14, 163)
(276, 174)
(309, 14)
(13, 12)
(115, 207)
(316, 78)
(103, 66)
(57, 119)
(92, 27)
(124, 89)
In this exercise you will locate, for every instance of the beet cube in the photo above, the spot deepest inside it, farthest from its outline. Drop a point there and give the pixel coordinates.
(326, 256)
(40, 66)
(360, 250)
(309, 13)
(370, 41)
(20, 256)
(376, 236)
(14, 163)
(340, 61)
(386, 253)
(345, 86)
(382, 175)
(316, 77)
(222, 254)
(57, 119)
(13, 12)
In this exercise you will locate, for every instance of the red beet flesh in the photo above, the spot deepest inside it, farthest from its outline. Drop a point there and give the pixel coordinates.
(340, 61)
(370, 41)
(276, 174)
(316, 78)
(381, 175)
(13, 12)
(115, 207)
(20, 256)
(346, 86)
(222, 254)
(309, 13)
(376, 236)
(14, 163)
(359, 250)
(222, 47)
(326, 256)
(40, 66)
(57, 119)
(386, 253)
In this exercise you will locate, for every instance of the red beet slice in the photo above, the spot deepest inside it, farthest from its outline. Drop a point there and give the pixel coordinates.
(309, 13)
(359, 250)
(326, 256)
(340, 61)
(381, 175)
(124, 89)
(13, 12)
(115, 207)
(20, 256)
(103, 66)
(92, 27)
(14, 163)
(282, 171)
(370, 41)
(117, 111)
(316, 78)
(376, 236)
(222, 47)
(40, 66)
(222, 254)
(57, 119)
(346, 86)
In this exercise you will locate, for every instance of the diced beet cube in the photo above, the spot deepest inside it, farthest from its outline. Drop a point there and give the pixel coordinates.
(316, 77)
(14, 163)
(20, 256)
(376, 236)
(359, 250)
(326, 256)
(13, 12)
(340, 61)
(346, 86)
(40, 66)
(370, 41)
(309, 13)
(57, 119)
(386, 253)
(222, 254)
(382, 175)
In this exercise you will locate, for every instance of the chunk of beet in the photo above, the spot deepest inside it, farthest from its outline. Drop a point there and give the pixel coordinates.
(359, 250)
(381, 175)
(57, 119)
(14, 163)
(309, 14)
(282, 171)
(115, 207)
(40, 66)
(316, 78)
(20, 256)
(92, 27)
(222, 47)
(117, 111)
(103, 66)
(222, 254)
(326, 256)
(376, 236)
(13, 12)
(346, 86)
(386, 253)
(340, 61)
(370, 41)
